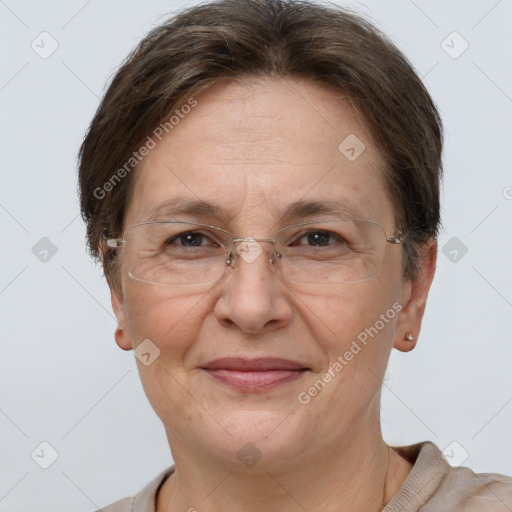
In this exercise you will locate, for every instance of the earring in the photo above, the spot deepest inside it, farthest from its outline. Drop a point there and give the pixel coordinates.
(409, 336)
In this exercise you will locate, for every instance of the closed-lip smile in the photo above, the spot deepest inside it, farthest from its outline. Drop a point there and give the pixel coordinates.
(258, 374)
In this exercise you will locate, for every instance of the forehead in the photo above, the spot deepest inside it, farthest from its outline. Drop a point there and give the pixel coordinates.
(255, 147)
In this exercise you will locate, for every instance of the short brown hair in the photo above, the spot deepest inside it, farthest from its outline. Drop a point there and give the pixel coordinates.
(230, 39)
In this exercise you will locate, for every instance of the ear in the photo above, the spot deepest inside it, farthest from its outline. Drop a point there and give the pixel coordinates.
(116, 298)
(414, 299)
(121, 334)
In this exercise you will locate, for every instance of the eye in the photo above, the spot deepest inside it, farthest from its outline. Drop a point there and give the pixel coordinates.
(191, 239)
(319, 238)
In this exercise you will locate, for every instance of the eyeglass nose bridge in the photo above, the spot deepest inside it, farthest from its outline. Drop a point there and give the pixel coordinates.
(232, 256)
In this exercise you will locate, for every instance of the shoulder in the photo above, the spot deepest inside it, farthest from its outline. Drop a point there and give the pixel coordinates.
(144, 500)
(474, 492)
(433, 485)
(124, 505)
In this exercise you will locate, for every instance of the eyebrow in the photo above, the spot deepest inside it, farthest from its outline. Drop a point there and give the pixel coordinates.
(297, 209)
(306, 208)
(186, 207)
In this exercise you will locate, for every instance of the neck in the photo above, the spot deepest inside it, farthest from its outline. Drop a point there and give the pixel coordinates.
(357, 477)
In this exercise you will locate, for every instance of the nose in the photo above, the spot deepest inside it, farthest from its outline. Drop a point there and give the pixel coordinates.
(252, 296)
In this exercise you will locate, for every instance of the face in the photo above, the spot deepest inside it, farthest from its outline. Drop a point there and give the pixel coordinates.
(252, 149)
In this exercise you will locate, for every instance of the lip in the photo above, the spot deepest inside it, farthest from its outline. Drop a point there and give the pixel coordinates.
(254, 374)
(260, 364)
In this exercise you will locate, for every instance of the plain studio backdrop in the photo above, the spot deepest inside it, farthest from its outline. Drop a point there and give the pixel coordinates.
(72, 401)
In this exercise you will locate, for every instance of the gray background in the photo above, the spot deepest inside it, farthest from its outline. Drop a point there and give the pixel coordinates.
(64, 381)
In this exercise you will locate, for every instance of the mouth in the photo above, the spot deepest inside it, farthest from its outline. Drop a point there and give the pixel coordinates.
(254, 374)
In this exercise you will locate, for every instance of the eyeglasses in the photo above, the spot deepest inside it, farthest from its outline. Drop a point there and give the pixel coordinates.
(174, 252)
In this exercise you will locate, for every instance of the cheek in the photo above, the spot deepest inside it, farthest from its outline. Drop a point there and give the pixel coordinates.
(172, 323)
(355, 342)
(337, 317)
(169, 321)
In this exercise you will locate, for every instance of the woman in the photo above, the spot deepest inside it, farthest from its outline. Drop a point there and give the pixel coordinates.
(261, 183)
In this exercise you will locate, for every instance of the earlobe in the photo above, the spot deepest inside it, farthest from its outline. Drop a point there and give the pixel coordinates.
(410, 342)
(122, 339)
(414, 300)
(121, 336)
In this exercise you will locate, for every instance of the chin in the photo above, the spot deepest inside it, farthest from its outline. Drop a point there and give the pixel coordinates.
(257, 440)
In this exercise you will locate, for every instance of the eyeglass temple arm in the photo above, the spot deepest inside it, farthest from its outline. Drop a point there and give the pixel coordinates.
(395, 240)
(113, 242)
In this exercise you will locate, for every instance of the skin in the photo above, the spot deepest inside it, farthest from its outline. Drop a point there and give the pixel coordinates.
(253, 147)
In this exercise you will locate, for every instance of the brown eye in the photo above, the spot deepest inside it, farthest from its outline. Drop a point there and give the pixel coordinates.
(190, 239)
(318, 238)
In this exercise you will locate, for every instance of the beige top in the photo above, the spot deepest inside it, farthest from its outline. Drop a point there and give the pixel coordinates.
(431, 486)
